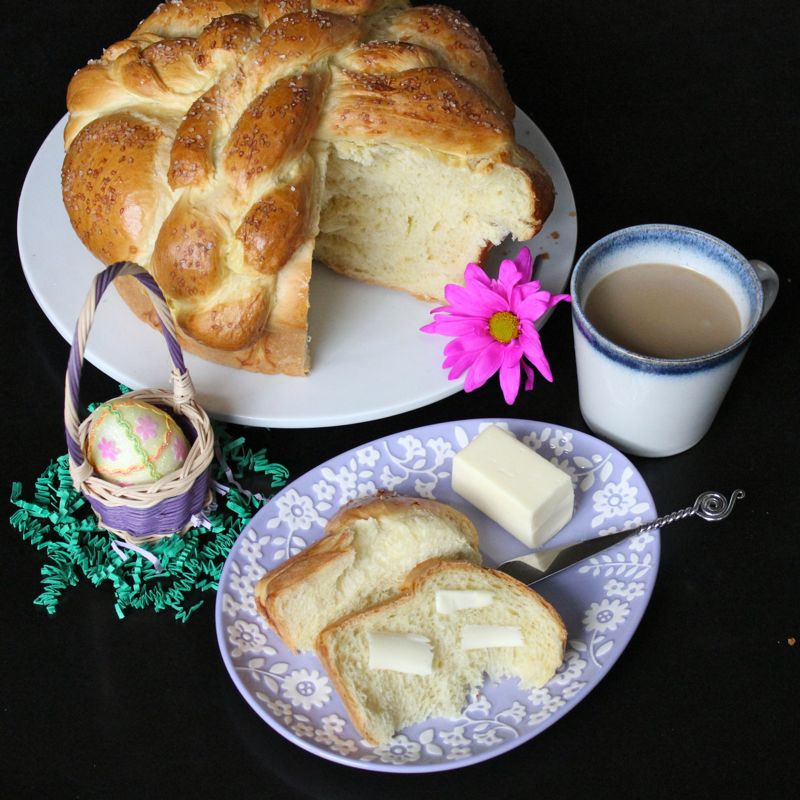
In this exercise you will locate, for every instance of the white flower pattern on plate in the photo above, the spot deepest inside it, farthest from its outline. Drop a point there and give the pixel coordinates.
(617, 499)
(296, 511)
(606, 615)
(455, 736)
(292, 691)
(561, 442)
(536, 440)
(628, 591)
(640, 542)
(571, 668)
(246, 637)
(306, 689)
(368, 456)
(398, 750)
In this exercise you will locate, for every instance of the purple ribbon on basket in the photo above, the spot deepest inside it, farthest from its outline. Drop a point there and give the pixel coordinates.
(117, 547)
(221, 489)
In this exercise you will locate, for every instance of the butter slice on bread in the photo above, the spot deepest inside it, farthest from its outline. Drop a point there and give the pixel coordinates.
(367, 550)
(381, 701)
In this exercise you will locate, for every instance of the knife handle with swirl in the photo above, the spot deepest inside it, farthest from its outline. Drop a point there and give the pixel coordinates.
(710, 506)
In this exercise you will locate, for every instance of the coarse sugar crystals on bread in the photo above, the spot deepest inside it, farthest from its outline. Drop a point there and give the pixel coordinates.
(363, 558)
(222, 145)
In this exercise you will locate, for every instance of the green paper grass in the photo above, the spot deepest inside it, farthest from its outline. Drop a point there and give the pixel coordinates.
(61, 523)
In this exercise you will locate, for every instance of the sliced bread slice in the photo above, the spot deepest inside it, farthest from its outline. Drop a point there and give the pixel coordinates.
(515, 634)
(363, 558)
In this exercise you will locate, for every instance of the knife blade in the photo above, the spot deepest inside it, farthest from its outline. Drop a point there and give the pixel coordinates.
(534, 567)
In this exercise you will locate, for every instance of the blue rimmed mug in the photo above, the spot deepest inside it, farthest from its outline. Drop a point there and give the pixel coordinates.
(661, 406)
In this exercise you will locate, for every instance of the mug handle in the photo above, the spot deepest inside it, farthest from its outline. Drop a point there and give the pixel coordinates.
(769, 283)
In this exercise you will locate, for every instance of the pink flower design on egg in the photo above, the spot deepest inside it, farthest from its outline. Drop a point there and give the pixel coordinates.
(145, 428)
(108, 449)
(179, 448)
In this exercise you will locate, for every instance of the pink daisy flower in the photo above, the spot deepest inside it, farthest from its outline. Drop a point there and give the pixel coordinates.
(492, 322)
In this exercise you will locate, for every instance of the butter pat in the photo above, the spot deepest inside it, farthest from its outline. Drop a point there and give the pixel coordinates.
(411, 653)
(449, 601)
(475, 637)
(517, 488)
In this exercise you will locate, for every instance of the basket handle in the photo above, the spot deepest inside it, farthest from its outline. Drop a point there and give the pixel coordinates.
(182, 385)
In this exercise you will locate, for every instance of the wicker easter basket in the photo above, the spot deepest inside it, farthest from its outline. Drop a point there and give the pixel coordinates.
(148, 512)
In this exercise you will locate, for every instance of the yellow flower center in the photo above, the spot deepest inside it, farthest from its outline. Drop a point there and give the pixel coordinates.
(504, 326)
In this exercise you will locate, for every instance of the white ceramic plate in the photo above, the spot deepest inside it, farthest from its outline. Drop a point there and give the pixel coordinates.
(601, 599)
(369, 359)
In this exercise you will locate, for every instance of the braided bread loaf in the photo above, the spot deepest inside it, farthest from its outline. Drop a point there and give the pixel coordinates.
(225, 142)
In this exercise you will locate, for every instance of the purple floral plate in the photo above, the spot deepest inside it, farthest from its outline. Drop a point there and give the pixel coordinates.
(600, 600)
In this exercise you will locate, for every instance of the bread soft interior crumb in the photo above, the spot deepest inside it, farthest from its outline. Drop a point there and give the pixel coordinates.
(391, 700)
(383, 551)
(438, 218)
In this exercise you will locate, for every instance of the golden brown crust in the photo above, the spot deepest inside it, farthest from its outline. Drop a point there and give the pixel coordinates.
(542, 189)
(171, 19)
(275, 128)
(232, 33)
(191, 158)
(427, 107)
(280, 350)
(271, 10)
(353, 708)
(231, 324)
(187, 259)
(321, 555)
(276, 225)
(111, 187)
(196, 147)
(351, 6)
(386, 505)
(387, 57)
(295, 41)
(459, 45)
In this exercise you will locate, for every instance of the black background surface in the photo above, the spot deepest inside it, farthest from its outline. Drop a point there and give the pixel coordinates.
(681, 112)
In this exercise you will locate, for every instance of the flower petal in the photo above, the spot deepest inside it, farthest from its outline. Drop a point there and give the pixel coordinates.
(508, 276)
(524, 263)
(532, 307)
(454, 325)
(474, 272)
(486, 364)
(461, 353)
(509, 373)
(532, 347)
(459, 363)
(526, 289)
(469, 342)
(529, 375)
(475, 299)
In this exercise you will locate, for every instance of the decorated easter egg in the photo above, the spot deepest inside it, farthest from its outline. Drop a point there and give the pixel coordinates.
(130, 442)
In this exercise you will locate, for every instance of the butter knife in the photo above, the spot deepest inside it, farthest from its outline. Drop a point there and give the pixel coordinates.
(710, 506)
